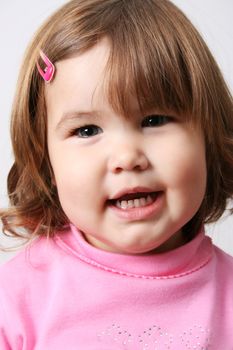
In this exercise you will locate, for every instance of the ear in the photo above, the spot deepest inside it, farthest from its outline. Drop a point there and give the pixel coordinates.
(53, 181)
(51, 174)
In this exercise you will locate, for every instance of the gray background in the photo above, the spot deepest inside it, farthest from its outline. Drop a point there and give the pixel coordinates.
(20, 19)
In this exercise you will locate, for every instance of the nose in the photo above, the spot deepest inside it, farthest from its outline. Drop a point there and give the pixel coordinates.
(128, 157)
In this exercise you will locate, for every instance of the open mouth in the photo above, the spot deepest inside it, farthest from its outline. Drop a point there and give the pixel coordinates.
(134, 200)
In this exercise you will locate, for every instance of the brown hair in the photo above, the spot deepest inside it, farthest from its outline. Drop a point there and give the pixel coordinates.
(155, 52)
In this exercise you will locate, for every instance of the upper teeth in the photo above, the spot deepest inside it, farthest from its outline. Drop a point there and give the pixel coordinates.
(134, 203)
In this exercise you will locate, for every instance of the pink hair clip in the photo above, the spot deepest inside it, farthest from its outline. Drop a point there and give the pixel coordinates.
(49, 70)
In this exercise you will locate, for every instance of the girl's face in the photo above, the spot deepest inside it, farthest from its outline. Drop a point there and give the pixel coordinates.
(128, 185)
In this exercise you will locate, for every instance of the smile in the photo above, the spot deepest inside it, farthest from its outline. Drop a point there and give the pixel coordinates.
(137, 206)
(141, 200)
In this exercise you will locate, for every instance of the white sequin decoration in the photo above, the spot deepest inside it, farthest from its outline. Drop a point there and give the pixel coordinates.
(156, 338)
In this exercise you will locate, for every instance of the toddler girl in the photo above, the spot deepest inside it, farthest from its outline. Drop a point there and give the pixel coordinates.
(122, 129)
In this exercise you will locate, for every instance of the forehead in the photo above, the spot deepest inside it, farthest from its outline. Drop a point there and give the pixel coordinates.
(79, 80)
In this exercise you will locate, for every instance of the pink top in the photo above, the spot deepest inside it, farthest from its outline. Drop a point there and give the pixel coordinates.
(63, 293)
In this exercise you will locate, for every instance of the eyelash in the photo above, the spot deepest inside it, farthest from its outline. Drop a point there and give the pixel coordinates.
(160, 120)
(149, 121)
(85, 128)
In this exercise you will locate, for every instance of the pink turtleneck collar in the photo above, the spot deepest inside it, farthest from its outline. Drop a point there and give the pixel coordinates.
(180, 261)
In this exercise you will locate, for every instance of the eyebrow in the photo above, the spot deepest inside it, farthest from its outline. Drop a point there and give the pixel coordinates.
(74, 115)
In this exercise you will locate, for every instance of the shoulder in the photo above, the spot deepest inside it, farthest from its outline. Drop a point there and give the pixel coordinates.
(29, 263)
(27, 284)
(223, 257)
(224, 264)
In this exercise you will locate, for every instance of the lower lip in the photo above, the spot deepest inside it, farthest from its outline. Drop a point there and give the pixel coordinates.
(140, 213)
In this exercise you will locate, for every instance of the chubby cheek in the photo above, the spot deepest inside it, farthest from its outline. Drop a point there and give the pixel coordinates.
(187, 170)
(183, 169)
(76, 177)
